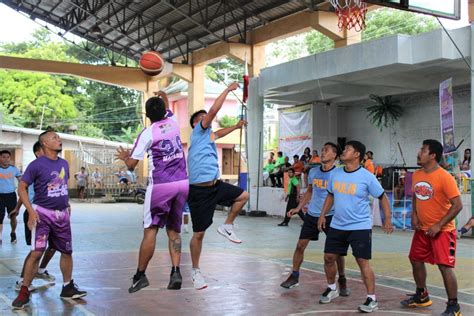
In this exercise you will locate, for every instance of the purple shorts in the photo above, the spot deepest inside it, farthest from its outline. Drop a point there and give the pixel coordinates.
(53, 226)
(164, 203)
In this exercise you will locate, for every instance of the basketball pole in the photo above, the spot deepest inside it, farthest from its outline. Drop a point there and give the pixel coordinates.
(243, 116)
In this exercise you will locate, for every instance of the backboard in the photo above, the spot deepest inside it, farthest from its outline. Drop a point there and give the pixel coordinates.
(450, 9)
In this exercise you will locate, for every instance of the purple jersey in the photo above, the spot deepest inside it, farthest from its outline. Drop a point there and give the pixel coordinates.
(163, 145)
(50, 179)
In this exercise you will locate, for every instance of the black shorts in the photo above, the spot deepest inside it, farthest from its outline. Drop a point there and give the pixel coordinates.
(309, 230)
(338, 241)
(123, 181)
(8, 202)
(202, 202)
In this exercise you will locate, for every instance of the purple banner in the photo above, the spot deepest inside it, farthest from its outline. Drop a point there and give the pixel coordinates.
(447, 115)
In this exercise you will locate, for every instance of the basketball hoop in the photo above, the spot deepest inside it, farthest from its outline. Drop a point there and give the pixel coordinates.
(351, 14)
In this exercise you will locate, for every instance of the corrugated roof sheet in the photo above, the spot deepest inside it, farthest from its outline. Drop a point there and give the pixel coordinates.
(174, 28)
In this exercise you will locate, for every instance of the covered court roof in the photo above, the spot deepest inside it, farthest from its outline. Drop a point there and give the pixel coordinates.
(174, 28)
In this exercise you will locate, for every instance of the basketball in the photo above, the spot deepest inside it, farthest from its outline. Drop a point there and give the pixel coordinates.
(152, 63)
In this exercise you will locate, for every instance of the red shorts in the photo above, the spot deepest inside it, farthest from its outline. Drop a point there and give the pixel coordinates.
(440, 249)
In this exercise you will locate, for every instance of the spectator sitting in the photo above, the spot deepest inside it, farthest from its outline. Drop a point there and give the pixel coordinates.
(272, 157)
(466, 162)
(315, 159)
(298, 165)
(96, 178)
(368, 163)
(306, 157)
(267, 170)
(399, 190)
(123, 180)
(279, 171)
(133, 177)
(81, 180)
(278, 163)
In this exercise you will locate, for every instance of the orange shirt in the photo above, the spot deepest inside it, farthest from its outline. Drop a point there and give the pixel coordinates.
(369, 165)
(315, 159)
(433, 192)
(298, 166)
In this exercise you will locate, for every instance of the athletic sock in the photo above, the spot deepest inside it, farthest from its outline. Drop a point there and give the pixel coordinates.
(421, 290)
(372, 296)
(228, 226)
(66, 283)
(175, 269)
(138, 275)
(332, 286)
(453, 301)
(41, 270)
(296, 274)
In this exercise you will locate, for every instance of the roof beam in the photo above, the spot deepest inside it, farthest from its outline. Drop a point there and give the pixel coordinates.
(105, 23)
(233, 37)
(220, 50)
(127, 77)
(191, 19)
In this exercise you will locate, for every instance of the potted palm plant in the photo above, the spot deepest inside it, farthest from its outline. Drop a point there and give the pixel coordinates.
(384, 111)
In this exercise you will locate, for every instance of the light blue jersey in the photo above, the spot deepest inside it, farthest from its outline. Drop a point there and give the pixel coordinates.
(31, 192)
(351, 192)
(203, 163)
(7, 179)
(319, 180)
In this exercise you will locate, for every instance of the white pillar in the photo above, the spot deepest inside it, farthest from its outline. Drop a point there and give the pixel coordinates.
(472, 88)
(254, 129)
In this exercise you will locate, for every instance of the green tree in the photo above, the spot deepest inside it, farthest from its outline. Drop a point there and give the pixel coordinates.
(379, 23)
(70, 103)
(385, 22)
(228, 121)
(24, 95)
(128, 134)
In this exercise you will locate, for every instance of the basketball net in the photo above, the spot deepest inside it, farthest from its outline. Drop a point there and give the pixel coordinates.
(351, 14)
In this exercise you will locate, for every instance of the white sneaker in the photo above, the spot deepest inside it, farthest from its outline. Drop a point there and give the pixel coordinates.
(45, 276)
(198, 280)
(228, 233)
(328, 296)
(19, 284)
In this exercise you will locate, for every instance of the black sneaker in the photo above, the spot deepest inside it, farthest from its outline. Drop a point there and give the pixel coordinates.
(343, 290)
(283, 224)
(291, 282)
(139, 284)
(175, 281)
(72, 291)
(452, 310)
(417, 300)
(13, 238)
(22, 299)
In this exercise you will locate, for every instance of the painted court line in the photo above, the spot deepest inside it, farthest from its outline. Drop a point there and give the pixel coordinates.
(395, 278)
(388, 286)
(356, 312)
(8, 302)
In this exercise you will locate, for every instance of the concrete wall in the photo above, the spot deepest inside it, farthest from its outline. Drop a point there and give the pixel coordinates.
(419, 121)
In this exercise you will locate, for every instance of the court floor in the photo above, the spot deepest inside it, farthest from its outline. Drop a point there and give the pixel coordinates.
(243, 279)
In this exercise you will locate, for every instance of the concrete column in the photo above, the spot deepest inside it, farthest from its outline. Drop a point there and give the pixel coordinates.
(350, 37)
(472, 89)
(196, 90)
(258, 60)
(255, 127)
